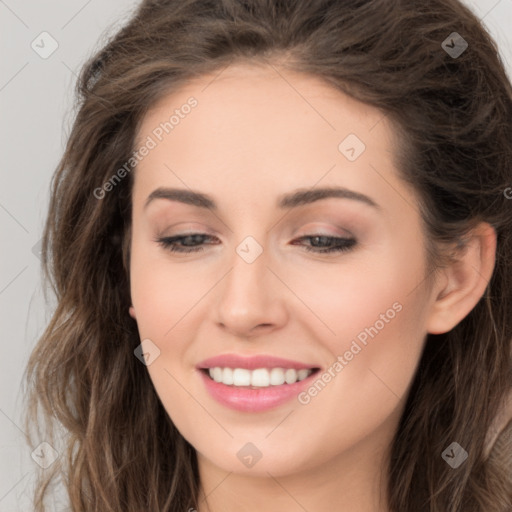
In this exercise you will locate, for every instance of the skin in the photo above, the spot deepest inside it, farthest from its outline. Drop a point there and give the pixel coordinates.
(257, 134)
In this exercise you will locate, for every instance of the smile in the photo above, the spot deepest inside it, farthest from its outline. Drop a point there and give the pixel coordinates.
(258, 378)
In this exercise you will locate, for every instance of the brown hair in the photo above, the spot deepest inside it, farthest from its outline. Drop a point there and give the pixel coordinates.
(453, 118)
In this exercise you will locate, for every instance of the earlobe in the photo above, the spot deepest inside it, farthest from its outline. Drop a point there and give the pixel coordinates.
(464, 281)
(131, 310)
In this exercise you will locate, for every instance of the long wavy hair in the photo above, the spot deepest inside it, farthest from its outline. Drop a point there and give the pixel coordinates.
(453, 118)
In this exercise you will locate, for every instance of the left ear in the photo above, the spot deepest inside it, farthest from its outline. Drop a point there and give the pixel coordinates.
(463, 282)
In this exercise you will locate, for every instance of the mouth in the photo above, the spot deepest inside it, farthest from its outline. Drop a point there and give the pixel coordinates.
(256, 390)
(257, 378)
(255, 383)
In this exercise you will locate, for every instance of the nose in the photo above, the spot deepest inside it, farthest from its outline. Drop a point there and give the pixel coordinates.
(251, 298)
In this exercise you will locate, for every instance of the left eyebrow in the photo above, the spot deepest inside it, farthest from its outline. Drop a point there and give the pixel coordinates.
(307, 195)
(294, 199)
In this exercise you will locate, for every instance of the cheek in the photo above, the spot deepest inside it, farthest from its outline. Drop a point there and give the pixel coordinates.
(162, 295)
(350, 296)
(161, 292)
(375, 351)
(373, 315)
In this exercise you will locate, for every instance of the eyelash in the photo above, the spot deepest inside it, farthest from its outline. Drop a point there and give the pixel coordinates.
(343, 244)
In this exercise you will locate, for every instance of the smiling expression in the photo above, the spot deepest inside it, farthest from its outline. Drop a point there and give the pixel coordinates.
(257, 171)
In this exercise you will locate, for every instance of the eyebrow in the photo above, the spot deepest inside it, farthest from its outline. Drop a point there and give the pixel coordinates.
(294, 199)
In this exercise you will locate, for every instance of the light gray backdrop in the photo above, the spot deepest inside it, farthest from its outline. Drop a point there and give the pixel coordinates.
(43, 46)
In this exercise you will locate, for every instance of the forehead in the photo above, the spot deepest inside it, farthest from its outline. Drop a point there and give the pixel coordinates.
(260, 125)
(270, 96)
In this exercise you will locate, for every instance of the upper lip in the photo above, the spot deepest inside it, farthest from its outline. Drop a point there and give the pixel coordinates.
(251, 362)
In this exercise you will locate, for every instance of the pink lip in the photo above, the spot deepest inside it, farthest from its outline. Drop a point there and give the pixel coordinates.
(254, 399)
(252, 362)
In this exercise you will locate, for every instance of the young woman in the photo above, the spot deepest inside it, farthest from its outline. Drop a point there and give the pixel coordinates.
(280, 241)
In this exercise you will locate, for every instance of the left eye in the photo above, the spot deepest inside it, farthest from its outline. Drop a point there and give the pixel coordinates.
(193, 243)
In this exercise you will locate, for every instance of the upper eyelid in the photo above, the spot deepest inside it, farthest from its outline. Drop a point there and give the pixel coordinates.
(344, 227)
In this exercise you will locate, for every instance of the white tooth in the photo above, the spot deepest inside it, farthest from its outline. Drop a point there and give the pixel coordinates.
(302, 374)
(290, 376)
(260, 377)
(217, 374)
(227, 376)
(241, 377)
(276, 376)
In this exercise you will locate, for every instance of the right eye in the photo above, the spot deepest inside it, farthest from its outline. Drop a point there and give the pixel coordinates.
(190, 242)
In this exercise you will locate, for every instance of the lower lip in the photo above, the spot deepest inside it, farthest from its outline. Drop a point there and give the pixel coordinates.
(254, 400)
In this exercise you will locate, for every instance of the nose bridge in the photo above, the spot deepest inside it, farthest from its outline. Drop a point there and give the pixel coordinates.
(249, 297)
(246, 279)
(251, 250)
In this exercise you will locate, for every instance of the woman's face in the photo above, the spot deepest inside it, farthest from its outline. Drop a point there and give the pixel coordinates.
(251, 139)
